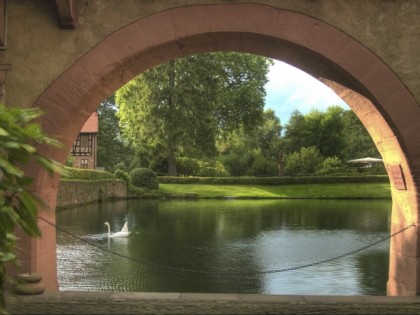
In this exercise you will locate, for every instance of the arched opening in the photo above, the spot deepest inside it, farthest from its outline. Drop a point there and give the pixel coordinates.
(388, 110)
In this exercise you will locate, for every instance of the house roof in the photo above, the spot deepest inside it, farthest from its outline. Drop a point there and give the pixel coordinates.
(91, 125)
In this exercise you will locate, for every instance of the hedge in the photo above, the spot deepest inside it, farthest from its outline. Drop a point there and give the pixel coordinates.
(144, 177)
(274, 180)
(86, 174)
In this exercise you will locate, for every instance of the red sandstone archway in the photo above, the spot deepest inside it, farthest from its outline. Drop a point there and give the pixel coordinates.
(388, 110)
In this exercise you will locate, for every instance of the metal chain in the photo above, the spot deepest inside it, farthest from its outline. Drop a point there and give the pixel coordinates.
(236, 273)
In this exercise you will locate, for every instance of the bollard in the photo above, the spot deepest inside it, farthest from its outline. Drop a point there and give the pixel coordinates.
(29, 284)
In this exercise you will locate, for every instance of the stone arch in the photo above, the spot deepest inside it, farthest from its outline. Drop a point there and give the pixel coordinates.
(388, 110)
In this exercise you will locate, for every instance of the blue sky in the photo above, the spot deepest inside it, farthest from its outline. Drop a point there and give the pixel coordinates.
(290, 88)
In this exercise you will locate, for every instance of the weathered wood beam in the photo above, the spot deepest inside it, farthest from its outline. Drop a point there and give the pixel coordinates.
(2, 23)
(67, 13)
(4, 68)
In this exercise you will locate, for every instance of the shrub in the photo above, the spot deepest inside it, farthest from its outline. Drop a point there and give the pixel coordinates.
(121, 166)
(120, 174)
(263, 167)
(69, 161)
(276, 180)
(211, 169)
(144, 177)
(194, 167)
(187, 167)
(238, 164)
(331, 165)
(86, 174)
(304, 162)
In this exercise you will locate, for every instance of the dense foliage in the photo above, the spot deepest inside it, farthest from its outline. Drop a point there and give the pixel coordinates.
(196, 167)
(284, 180)
(120, 174)
(253, 152)
(86, 174)
(112, 146)
(19, 136)
(203, 115)
(144, 177)
(322, 142)
(181, 107)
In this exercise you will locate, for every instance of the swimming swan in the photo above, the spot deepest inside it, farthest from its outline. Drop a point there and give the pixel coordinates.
(123, 233)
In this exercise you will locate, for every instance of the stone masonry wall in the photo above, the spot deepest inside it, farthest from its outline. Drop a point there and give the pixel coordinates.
(73, 193)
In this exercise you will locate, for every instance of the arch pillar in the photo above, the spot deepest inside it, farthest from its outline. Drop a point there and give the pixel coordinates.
(404, 259)
(38, 254)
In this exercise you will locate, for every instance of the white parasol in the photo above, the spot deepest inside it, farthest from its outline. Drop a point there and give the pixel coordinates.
(366, 160)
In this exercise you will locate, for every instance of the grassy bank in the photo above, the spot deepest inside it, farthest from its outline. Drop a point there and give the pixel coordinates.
(343, 190)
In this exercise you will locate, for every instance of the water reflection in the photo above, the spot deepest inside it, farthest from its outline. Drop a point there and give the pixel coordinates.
(215, 237)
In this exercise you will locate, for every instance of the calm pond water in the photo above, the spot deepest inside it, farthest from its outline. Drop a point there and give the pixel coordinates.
(226, 246)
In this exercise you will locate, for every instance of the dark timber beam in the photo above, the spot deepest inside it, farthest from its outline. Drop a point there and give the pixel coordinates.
(67, 13)
(2, 24)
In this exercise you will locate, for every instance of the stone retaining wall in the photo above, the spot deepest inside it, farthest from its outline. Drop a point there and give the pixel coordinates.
(73, 193)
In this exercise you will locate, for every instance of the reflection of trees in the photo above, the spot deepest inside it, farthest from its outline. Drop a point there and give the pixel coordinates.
(373, 272)
(190, 235)
(337, 214)
(215, 236)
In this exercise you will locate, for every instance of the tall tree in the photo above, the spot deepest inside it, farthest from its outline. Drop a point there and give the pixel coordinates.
(180, 107)
(268, 135)
(324, 130)
(330, 137)
(240, 150)
(357, 141)
(295, 133)
(112, 147)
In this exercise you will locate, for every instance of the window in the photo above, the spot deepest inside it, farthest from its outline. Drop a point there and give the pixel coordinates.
(84, 141)
(84, 163)
(83, 146)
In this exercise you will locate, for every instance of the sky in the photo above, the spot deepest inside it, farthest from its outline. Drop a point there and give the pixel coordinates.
(289, 89)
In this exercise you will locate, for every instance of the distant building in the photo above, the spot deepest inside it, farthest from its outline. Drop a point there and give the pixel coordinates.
(84, 148)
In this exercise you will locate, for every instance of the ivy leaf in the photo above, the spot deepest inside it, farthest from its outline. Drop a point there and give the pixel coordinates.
(6, 257)
(9, 168)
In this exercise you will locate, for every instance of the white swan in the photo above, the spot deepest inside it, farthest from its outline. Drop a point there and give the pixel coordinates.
(123, 233)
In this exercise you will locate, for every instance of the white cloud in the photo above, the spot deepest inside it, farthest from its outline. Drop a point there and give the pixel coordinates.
(290, 88)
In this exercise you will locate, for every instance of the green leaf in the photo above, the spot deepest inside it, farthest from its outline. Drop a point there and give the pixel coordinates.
(7, 167)
(3, 132)
(7, 257)
(28, 148)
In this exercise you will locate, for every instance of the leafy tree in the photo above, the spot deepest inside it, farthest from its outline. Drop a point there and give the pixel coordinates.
(179, 108)
(19, 136)
(195, 167)
(144, 177)
(240, 150)
(263, 167)
(323, 130)
(268, 135)
(295, 132)
(357, 141)
(304, 162)
(112, 147)
(330, 141)
(330, 166)
(238, 164)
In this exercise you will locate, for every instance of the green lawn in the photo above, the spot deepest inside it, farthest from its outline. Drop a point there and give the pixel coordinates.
(347, 190)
